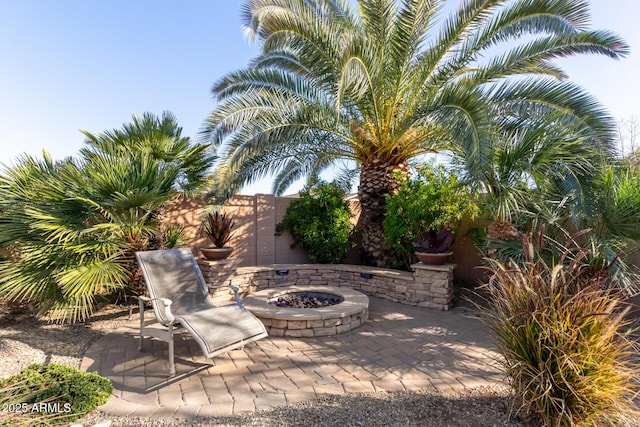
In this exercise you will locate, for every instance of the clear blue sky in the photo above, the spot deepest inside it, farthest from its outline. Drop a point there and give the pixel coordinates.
(77, 64)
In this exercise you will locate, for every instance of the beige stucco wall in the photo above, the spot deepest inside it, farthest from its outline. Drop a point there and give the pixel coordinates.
(255, 242)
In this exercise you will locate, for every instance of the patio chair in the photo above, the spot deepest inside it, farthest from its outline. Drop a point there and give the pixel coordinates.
(179, 294)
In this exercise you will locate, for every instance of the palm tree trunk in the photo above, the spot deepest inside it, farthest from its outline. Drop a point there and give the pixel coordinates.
(376, 180)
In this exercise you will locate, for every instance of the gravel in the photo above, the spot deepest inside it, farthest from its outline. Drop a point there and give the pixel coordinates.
(477, 408)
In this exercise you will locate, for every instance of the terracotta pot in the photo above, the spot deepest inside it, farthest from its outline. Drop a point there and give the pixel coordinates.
(437, 258)
(214, 254)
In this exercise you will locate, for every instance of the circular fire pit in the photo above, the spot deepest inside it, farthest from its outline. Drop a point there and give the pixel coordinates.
(309, 322)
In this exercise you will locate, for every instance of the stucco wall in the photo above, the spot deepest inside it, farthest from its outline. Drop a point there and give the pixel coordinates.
(255, 242)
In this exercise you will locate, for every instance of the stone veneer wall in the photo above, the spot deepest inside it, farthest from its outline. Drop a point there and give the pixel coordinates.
(427, 286)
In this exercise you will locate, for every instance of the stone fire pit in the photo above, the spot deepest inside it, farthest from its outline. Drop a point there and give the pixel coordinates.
(309, 322)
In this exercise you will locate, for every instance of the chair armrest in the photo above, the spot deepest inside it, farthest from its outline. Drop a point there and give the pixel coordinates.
(166, 306)
(235, 290)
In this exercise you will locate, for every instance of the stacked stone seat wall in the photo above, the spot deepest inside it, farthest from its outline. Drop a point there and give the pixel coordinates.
(425, 286)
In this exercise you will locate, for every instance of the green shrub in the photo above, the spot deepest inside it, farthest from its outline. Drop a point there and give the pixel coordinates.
(53, 394)
(434, 200)
(320, 223)
(565, 346)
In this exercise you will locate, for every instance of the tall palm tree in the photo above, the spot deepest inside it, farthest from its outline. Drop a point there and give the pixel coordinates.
(77, 222)
(384, 83)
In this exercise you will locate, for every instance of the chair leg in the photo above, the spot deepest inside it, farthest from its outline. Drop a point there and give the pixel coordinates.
(172, 365)
(141, 340)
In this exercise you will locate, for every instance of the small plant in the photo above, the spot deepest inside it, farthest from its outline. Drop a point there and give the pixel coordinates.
(435, 241)
(52, 394)
(320, 223)
(424, 212)
(563, 338)
(219, 228)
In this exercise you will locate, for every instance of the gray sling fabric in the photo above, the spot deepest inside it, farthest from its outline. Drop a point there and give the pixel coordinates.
(175, 275)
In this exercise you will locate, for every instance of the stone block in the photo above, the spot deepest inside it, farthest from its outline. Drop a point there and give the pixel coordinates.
(343, 328)
(277, 323)
(315, 323)
(276, 332)
(296, 324)
(442, 301)
(332, 322)
(298, 333)
(323, 332)
(439, 290)
(265, 322)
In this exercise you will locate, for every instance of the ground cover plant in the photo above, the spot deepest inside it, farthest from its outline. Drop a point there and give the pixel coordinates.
(51, 394)
(561, 332)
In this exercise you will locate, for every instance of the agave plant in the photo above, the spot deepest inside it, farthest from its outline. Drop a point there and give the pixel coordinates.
(219, 228)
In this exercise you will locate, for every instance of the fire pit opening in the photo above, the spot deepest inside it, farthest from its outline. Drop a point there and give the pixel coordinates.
(306, 300)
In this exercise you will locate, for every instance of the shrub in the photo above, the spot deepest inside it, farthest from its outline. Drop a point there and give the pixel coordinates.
(79, 221)
(70, 393)
(563, 339)
(433, 201)
(320, 223)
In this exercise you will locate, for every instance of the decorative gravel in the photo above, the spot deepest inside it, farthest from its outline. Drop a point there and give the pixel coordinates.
(478, 408)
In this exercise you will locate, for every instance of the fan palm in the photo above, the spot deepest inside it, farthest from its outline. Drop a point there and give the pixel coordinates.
(77, 222)
(384, 83)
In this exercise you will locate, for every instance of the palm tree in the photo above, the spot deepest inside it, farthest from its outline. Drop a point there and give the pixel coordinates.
(160, 138)
(386, 83)
(77, 222)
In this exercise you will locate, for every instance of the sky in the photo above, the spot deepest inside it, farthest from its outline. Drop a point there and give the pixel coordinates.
(68, 65)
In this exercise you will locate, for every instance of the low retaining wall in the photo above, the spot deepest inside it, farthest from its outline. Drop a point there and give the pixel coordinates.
(427, 286)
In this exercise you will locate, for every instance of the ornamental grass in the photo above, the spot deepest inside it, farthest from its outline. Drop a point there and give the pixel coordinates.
(567, 349)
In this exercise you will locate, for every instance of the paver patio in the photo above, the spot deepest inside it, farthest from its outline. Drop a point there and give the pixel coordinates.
(399, 348)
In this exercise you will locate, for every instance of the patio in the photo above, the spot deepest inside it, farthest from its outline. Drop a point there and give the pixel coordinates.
(399, 348)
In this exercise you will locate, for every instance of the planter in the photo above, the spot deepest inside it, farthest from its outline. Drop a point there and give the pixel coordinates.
(436, 258)
(214, 254)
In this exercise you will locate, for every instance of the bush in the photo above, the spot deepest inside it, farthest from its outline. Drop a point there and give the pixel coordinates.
(563, 339)
(433, 201)
(320, 223)
(64, 393)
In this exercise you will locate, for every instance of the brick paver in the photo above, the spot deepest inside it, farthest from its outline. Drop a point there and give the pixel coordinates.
(399, 348)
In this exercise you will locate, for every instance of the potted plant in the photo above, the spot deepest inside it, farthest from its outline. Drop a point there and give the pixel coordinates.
(219, 228)
(422, 216)
(433, 247)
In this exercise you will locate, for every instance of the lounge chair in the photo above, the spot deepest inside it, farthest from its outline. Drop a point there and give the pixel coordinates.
(179, 294)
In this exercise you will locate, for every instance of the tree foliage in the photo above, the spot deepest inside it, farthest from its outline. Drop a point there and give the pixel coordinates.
(76, 222)
(387, 81)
